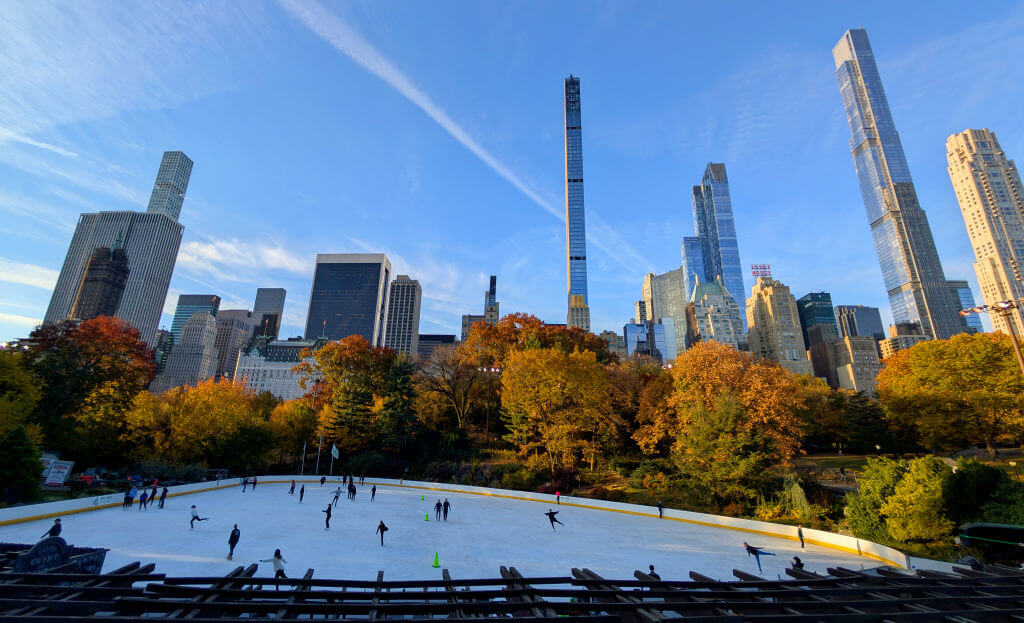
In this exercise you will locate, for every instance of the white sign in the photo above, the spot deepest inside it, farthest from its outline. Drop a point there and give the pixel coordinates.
(59, 473)
(47, 463)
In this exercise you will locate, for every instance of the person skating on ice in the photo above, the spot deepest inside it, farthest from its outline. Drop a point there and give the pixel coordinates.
(437, 510)
(195, 518)
(302, 493)
(143, 500)
(661, 510)
(551, 517)
(278, 560)
(163, 496)
(651, 572)
(756, 552)
(445, 507)
(233, 541)
(373, 492)
(337, 494)
(152, 494)
(327, 520)
(797, 563)
(245, 483)
(253, 483)
(382, 529)
(292, 490)
(54, 529)
(800, 535)
(323, 479)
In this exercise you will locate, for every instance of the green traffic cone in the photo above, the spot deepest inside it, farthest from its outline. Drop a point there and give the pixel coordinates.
(436, 563)
(421, 497)
(426, 517)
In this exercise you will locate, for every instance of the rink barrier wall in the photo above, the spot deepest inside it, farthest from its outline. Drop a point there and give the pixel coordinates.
(849, 544)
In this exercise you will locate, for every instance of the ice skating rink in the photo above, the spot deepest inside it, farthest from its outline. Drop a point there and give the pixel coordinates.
(481, 534)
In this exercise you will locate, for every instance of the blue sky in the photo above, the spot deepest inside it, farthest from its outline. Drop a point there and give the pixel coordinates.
(432, 131)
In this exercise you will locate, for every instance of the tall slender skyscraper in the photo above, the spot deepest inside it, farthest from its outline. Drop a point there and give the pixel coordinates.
(715, 227)
(349, 296)
(267, 312)
(991, 197)
(403, 330)
(903, 240)
(150, 241)
(575, 222)
(188, 305)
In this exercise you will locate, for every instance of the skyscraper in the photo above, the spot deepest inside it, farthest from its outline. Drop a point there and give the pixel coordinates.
(491, 305)
(403, 330)
(193, 357)
(859, 321)
(150, 241)
(268, 311)
(817, 318)
(991, 196)
(715, 227)
(693, 263)
(715, 314)
(349, 296)
(102, 286)
(903, 239)
(234, 326)
(774, 322)
(965, 300)
(665, 296)
(188, 305)
(575, 222)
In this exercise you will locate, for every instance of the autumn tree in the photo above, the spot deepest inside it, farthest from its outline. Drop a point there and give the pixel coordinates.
(18, 392)
(293, 423)
(452, 382)
(557, 404)
(964, 389)
(490, 345)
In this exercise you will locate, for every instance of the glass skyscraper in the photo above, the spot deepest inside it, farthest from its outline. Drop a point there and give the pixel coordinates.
(716, 232)
(188, 305)
(171, 182)
(817, 318)
(575, 222)
(913, 276)
(268, 312)
(349, 297)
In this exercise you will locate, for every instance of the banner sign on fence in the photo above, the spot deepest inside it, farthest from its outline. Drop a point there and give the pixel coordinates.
(59, 472)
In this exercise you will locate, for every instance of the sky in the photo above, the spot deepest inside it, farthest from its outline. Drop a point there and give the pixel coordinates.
(433, 132)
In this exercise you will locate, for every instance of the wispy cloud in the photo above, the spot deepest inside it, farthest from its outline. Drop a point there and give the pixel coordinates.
(7, 135)
(234, 259)
(27, 274)
(22, 321)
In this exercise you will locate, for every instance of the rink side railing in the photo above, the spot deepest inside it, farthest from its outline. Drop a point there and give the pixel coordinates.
(849, 544)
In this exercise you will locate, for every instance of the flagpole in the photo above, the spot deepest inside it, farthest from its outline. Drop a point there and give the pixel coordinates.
(332, 464)
(302, 470)
(318, 445)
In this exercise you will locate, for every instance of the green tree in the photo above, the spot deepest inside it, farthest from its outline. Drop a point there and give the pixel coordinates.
(971, 487)
(18, 392)
(877, 482)
(19, 462)
(396, 422)
(916, 510)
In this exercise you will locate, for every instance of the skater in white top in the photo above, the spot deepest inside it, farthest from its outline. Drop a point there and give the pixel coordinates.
(195, 518)
(278, 560)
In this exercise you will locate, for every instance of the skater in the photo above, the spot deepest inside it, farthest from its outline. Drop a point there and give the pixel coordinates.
(800, 535)
(163, 496)
(323, 479)
(54, 529)
(437, 510)
(292, 490)
(152, 494)
(797, 563)
(352, 492)
(652, 573)
(278, 561)
(253, 483)
(362, 479)
(337, 494)
(302, 493)
(558, 497)
(445, 508)
(551, 517)
(327, 521)
(382, 529)
(373, 492)
(756, 552)
(195, 518)
(661, 510)
(125, 502)
(245, 481)
(233, 541)
(143, 500)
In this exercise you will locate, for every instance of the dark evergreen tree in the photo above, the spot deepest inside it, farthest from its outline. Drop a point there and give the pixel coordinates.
(19, 463)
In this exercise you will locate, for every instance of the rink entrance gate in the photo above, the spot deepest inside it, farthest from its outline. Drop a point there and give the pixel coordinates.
(844, 595)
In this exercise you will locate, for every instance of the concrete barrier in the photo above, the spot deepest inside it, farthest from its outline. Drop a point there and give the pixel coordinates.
(868, 549)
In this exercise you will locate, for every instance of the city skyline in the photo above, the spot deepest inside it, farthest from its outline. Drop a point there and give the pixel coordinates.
(645, 138)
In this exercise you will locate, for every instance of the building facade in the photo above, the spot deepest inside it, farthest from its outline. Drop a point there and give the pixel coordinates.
(102, 285)
(349, 297)
(991, 196)
(902, 335)
(911, 270)
(171, 183)
(715, 227)
(849, 363)
(234, 329)
(666, 296)
(193, 357)
(773, 319)
(965, 299)
(268, 312)
(267, 366)
(403, 330)
(429, 342)
(859, 321)
(492, 309)
(716, 314)
(817, 318)
(616, 343)
(188, 305)
(693, 263)
(654, 339)
(575, 221)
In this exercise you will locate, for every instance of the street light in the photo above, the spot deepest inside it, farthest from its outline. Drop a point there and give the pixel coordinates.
(1003, 308)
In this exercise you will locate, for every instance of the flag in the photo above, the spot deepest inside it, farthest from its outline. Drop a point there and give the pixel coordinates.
(334, 451)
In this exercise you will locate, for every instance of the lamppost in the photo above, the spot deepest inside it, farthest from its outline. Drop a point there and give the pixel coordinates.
(1004, 309)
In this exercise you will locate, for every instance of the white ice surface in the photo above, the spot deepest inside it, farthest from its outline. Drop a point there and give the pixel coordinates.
(481, 534)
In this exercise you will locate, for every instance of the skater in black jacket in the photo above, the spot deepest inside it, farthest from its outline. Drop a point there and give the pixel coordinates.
(302, 493)
(323, 479)
(292, 490)
(144, 500)
(327, 521)
(756, 552)
(551, 516)
(437, 510)
(445, 507)
(652, 573)
(373, 492)
(54, 529)
(233, 541)
(382, 529)
(163, 496)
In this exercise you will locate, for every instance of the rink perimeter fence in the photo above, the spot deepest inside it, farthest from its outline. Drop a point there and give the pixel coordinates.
(849, 544)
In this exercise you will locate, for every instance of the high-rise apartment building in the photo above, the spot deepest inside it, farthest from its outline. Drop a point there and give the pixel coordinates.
(403, 330)
(429, 342)
(150, 241)
(268, 312)
(575, 221)
(817, 318)
(102, 286)
(666, 296)
(715, 314)
(193, 357)
(349, 296)
(491, 313)
(188, 305)
(965, 299)
(640, 312)
(910, 264)
(859, 321)
(654, 339)
(234, 328)
(715, 227)
(991, 196)
(849, 363)
(773, 320)
(693, 263)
